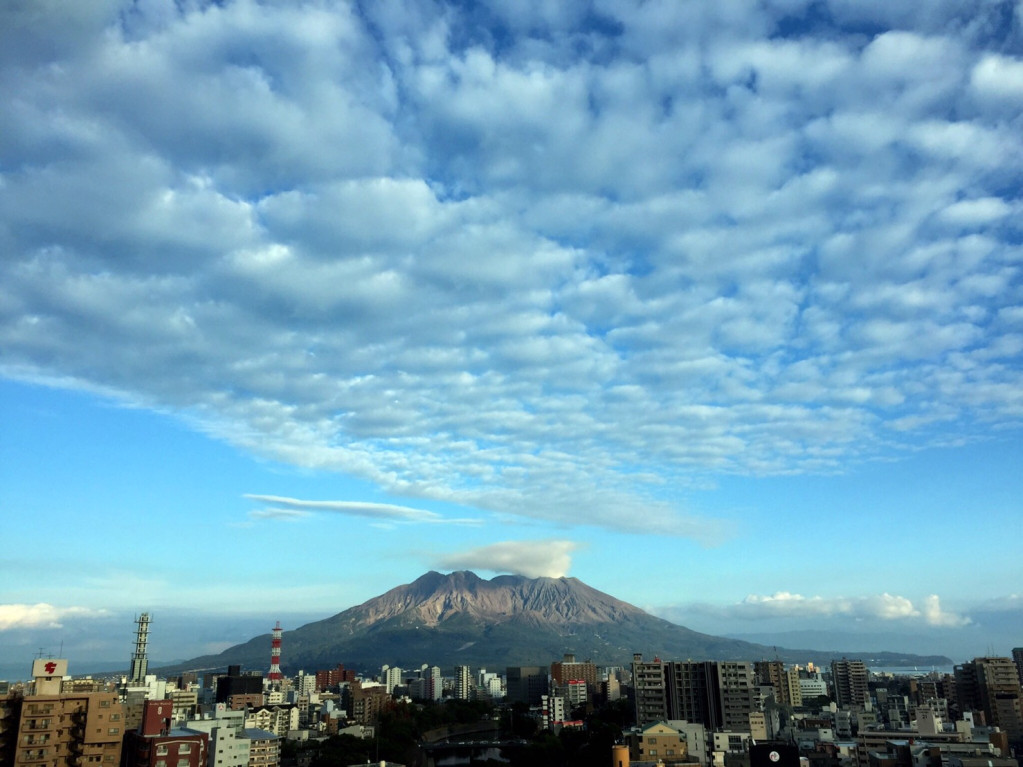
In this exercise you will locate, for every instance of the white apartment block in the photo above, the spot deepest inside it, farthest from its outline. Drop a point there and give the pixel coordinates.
(279, 720)
(228, 745)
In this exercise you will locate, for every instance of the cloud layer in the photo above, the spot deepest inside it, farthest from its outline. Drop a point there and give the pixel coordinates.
(801, 610)
(882, 606)
(534, 559)
(279, 507)
(42, 615)
(556, 264)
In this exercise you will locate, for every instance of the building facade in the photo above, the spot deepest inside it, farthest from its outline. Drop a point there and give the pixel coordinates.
(849, 680)
(157, 743)
(52, 728)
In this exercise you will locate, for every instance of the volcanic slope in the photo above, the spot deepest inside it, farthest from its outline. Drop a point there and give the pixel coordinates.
(510, 620)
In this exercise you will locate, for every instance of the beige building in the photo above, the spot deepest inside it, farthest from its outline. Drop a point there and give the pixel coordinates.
(264, 748)
(279, 720)
(658, 741)
(66, 730)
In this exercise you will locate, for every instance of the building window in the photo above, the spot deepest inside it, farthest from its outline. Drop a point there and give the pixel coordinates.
(161, 750)
(185, 748)
(182, 763)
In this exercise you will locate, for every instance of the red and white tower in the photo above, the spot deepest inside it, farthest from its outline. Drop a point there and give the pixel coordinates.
(275, 654)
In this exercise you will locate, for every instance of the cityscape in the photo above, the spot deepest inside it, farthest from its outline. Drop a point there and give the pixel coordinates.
(650, 711)
(430, 383)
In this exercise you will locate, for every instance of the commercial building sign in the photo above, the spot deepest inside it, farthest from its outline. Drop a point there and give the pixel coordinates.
(49, 667)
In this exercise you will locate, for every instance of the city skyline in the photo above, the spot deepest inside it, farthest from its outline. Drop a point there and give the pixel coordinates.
(717, 309)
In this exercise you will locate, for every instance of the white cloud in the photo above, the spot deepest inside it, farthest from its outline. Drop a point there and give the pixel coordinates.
(936, 616)
(884, 607)
(42, 615)
(997, 76)
(271, 513)
(290, 508)
(526, 278)
(534, 559)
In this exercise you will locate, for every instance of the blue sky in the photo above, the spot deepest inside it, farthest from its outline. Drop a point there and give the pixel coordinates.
(714, 307)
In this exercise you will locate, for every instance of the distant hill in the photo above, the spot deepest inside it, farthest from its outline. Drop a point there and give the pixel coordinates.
(510, 620)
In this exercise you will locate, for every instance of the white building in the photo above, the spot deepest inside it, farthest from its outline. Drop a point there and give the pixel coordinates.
(279, 720)
(304, 683)
(391, 677)
(552, 710)
(695, 735)
(812, 685)
(228, 745)
(434, 683)
(731, 742)
(492, 686)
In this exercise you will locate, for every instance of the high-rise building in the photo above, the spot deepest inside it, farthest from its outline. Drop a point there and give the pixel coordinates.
(568, 669)
(526, 684)
(327, 679)
(1017, 659)
(771, 672)
(391, 678)
(849, 678)
(239, 690)
(714, 693)
(691, 692)
(785, 682)
(434, 683)
(463, 683)
(649, 690)
(56, 729)
(736, 694)
(991, 685)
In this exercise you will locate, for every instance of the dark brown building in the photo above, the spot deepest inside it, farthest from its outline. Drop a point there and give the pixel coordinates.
(329, 678)
(157, 744)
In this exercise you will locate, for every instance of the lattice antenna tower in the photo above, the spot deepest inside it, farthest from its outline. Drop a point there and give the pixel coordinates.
(139, 660)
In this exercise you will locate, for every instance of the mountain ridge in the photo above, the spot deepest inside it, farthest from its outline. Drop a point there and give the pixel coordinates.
(509, 620)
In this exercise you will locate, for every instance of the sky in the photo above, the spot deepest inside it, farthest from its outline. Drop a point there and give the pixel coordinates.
(716, 307)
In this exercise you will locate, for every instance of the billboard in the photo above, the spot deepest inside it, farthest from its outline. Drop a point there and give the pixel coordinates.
(773, 755)
(49, 667)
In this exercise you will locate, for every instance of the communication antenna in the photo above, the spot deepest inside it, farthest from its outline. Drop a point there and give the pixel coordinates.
(139, 659)
(275, 654)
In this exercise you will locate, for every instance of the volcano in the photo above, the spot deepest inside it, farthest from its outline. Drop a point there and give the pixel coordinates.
(509, 620)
